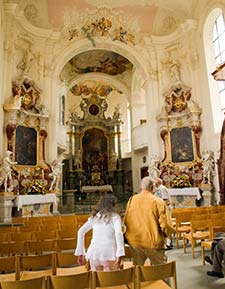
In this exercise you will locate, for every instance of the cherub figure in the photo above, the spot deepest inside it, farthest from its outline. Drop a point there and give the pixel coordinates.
(6, 172)
(56, 173)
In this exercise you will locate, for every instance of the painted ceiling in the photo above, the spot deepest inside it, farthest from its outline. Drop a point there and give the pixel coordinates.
(158, 17)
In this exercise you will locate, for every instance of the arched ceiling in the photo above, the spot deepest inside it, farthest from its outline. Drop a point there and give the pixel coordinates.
(158, 17)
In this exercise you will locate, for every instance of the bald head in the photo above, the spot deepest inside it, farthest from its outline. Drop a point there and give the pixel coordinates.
(147, 183)
(158, 182)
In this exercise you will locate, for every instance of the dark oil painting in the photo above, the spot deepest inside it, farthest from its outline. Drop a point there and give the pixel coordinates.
(26, 146)
(95, 157)
(181, 145)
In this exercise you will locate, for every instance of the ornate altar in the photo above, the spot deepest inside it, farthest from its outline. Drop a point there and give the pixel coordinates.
(180, 129)
(219, 75)
(94, 147)
(26, 123)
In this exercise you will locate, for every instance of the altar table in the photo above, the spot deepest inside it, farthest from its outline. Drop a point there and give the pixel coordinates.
(184, 197)
(36, 204)
(93, 189)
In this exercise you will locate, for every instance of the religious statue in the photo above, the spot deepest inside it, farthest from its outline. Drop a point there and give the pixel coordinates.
(208, 166)
(154, 171)
(6, 172)
(174, 68)
(17, 98)
(56, 173)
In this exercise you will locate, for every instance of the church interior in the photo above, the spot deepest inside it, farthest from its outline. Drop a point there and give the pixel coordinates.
(95, 95)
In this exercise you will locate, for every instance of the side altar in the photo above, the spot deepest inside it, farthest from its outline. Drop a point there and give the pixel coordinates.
(24, 170)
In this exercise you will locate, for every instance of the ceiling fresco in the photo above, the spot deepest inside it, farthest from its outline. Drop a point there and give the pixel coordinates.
(100, 61)
(158, 17)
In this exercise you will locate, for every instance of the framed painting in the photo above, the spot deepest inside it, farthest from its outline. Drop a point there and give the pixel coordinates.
(26, 146)
(181, 141)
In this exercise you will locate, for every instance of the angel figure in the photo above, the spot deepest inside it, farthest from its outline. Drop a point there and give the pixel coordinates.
(56, 173)
(153, 170)
(6, 172)
(208, 166)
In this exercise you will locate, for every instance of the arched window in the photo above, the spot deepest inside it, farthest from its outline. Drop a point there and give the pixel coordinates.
(219, 48)
(214, 46)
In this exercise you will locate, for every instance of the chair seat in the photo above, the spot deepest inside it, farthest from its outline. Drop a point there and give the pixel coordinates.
(71, 270)
(27, 275)
(8, 277)
(158, 284)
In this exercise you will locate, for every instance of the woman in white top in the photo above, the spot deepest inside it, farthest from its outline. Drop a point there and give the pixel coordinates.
(107, 246)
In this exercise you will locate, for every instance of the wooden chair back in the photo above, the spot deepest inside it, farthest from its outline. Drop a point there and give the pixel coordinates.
(34, 283)
(113, 278)
(21, 236)
(38, 247)
(36, 266)
(8, 268)
(4, 237)
(66, 244)
(66, 264)
(67, 234)
(155, 273)
(44, 235)
(78, 281)
(13, 248)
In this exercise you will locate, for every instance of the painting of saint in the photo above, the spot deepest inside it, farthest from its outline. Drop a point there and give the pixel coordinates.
(26, 146)
(181, 145)
(94, 145)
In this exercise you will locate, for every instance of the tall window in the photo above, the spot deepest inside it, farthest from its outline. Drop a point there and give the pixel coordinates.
(219, 49)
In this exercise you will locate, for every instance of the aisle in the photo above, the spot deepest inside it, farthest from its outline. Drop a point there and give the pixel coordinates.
(191, 273)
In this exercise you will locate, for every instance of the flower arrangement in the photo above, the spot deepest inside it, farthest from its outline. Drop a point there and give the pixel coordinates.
(34, 187)
(181, 181)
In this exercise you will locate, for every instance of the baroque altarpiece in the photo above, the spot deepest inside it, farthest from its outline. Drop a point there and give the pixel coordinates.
(180, 130)
(94, 147)
(26, 124)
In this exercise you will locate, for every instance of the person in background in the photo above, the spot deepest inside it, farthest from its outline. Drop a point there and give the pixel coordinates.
(147, 225)
(218, 254)
(107, 245)
(162, 192)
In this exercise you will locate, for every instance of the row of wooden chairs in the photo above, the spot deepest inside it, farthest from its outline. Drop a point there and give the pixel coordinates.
(25, 267)
(204, 231)
(133, 276)
(38, 235)
(38, 247)
(182, 221)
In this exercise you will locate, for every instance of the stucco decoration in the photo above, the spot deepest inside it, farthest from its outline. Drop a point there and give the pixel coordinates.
(27, 59)
(97, 23)
(84, 89)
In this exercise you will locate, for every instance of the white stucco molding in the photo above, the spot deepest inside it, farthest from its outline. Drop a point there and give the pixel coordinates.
(187, 26)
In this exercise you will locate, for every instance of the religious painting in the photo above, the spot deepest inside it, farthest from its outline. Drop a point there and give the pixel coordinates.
(95, 157)
(181, 145)
(26, 146)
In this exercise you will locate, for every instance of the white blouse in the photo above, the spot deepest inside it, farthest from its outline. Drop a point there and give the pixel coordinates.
(107, 239)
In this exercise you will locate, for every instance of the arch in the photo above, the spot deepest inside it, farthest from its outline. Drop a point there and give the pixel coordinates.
(84, 45)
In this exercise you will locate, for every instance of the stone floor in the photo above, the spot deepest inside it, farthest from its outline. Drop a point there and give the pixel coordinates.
(191, 273)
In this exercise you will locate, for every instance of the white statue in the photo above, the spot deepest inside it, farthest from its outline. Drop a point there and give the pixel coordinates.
(208, 166)
(6, 172)
(56, 173)
(153, 170)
